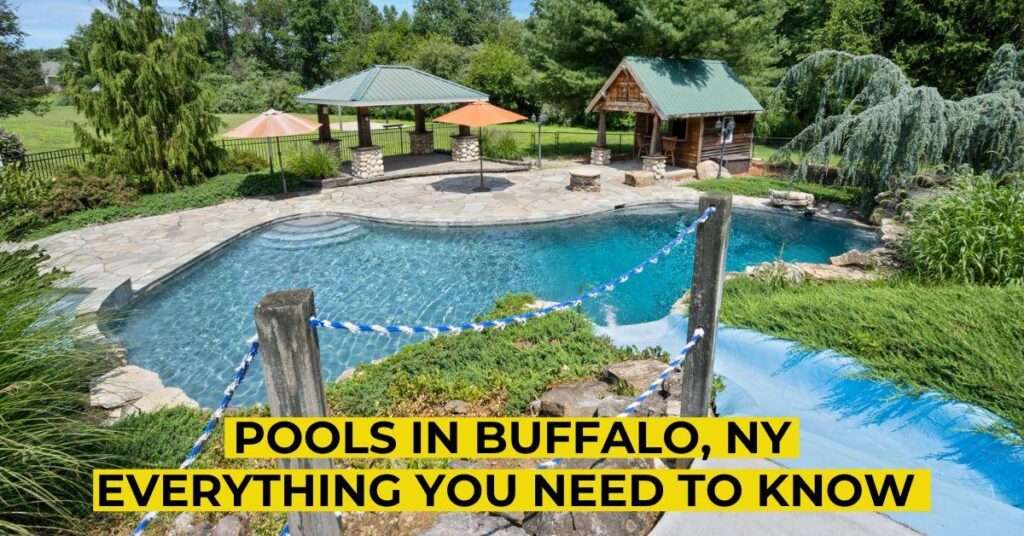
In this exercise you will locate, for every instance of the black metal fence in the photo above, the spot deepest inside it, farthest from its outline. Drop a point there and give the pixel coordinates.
(50, 161)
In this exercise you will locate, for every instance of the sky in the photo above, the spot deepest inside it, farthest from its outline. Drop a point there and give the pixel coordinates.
(49, 22)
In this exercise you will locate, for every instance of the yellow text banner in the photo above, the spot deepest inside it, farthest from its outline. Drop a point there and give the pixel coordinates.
(739, 490)
(511, 437)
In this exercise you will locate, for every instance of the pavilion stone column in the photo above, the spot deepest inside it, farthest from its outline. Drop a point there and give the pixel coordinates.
(465, 148)
(421, 141)
(655, 164)
(600, 154)
(367, 162)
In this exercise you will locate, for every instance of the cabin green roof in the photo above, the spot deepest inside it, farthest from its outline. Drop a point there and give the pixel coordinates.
(691, 87)
(391, 85)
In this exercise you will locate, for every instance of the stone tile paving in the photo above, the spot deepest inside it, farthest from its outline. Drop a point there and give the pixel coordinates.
(148, 249)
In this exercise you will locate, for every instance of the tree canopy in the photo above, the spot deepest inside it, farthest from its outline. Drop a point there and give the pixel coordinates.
(886, 129)
(135, 77)
(21, 86)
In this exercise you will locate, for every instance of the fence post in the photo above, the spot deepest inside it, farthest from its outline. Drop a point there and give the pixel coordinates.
(558, 146)
(291, 370)
(705, 300)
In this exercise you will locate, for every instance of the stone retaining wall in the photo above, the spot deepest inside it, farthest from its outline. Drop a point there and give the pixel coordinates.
(600, 156)
(654, 164)
(421, 142)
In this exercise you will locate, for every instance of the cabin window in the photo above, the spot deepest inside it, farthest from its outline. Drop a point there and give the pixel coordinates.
(675, 128)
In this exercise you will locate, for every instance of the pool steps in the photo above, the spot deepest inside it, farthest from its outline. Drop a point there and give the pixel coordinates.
(310, 233)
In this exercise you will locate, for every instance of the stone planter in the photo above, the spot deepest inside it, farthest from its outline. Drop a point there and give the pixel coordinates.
(421, 142)
(367, 162)
(465, 148)
(585, 179)
(600, 156)
(655, 164)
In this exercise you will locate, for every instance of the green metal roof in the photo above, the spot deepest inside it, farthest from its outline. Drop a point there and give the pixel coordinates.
(691, 87)
(391, 85)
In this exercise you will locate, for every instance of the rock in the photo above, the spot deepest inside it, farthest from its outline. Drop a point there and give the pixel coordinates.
(123, 385)
(855, 257)
(165, 397)
(574, 399)
(473, 524)
(783, 198)
(533, 408)
(611, 406)
(879, 214)
(886, 257)
(892, 230)
(596, 523)
(231, 525)
(457, 407)
(185, 525)
(346, 374)
(708, 169)
(540, 304)
(828, 272)
(636, 373)
(639, 179)
(777, 271)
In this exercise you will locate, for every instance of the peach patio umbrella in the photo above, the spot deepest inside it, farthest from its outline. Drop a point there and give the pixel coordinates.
(273, 124)
(480, 114)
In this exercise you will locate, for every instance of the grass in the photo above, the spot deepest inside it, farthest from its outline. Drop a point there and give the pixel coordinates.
(498, 372)
(216, 190)
(961, 340)
(48, 446)
(759, 187)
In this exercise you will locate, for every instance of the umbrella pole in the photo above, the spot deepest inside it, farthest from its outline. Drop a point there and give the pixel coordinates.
(480, 137)
(280, 162)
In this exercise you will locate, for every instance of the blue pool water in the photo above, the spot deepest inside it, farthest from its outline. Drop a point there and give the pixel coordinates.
(192, 330)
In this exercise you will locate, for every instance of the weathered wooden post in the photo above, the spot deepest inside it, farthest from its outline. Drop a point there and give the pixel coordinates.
(705, 301)
(291, 370)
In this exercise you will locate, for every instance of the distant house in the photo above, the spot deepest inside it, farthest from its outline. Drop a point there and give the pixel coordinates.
(51, 74)
(679, 105)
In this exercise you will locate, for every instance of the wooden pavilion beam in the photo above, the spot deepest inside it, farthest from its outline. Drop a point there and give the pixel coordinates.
(363, 126)
(421, 118)
(601, 130)
(323, 116)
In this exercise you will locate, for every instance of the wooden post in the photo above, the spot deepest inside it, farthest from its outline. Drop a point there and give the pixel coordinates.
(323, 115)
(655, 135)
(421, 118)
(363, 126)
(295, 388)
(464, 131)
(601, 130)
(705, 300)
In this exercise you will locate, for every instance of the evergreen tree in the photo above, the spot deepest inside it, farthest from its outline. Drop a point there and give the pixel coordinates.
(135, 77)
(21, 85)
(886, 129)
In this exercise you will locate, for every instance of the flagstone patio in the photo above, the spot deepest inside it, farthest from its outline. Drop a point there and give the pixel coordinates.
(148, 250)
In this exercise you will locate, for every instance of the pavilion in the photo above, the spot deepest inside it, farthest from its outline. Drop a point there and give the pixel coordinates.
(687, 111)
(392, 85)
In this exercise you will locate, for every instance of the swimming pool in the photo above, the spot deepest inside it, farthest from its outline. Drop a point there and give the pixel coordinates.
(192, 329)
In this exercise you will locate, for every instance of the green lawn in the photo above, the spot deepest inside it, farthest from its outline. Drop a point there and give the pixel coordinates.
(960, 340)
(759, 187)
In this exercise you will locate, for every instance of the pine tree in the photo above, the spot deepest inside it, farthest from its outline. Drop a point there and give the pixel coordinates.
(135, 77)
(21, 83)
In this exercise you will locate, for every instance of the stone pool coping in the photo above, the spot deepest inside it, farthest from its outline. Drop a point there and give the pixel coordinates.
(120, 262)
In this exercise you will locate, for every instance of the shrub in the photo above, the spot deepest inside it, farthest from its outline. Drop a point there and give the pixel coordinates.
(499, 144)
(12, 152)
(313, 162)
(242, 162)
(76, 189)
(47, 448)
(20, 197)
(974, 235)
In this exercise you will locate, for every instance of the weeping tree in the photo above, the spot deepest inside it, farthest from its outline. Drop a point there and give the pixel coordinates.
(135, 77)
(885, 130)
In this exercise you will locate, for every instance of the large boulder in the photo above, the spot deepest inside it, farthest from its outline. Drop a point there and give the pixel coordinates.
(708, 169)
(777, 271)
(122, 386)
(636, 373)
(790, 199)
(639, 179)
(231, 525)
(573, 399)
(473, 524)
(595, 523)
(855, 257)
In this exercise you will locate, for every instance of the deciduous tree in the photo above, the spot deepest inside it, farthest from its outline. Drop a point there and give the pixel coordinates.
(21, 82)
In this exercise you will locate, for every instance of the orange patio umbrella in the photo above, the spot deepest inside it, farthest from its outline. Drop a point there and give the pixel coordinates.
(480, 114)
(273, 124)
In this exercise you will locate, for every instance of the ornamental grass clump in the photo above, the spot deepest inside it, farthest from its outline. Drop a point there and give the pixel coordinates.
(975, 235)
(312, 163)
(48, 447)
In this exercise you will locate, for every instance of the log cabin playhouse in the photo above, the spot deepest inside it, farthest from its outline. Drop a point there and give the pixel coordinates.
(679, 105)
